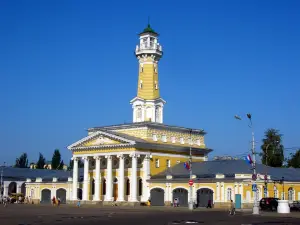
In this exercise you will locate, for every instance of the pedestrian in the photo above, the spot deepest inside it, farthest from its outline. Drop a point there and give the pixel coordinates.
(58, 201)
(232, 208)
(78, 203)
(208, 204)
(53, 201)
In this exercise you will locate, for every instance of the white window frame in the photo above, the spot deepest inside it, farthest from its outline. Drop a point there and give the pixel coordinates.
(229, 194)
(181, 140)
(156, 163)
(198, 142)
(164, 138)
(154, 137)
(168, 162)
(173, 139)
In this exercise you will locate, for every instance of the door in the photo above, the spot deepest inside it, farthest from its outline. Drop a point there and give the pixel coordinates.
(62, 195)
(115, 193)
(238, 201)
(203, 196)
(157, 197)
(46, 196)
(182, 195)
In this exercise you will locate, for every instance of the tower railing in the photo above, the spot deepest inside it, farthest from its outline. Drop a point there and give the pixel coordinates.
(149, 46)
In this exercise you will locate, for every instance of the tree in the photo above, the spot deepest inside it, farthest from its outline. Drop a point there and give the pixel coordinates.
(56, 160)
(294, 160)
(22, 161)
(80, 164)
(272, 149)
(41, 162)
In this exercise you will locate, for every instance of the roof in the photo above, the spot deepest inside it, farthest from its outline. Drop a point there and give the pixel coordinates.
(21, 174)
(209, 169)
(149, 29)
(147, 124)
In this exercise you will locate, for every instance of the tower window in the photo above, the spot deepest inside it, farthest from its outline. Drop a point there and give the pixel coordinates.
(164, 138)
(141, 84)
(157, 163)
(198, 142)
(156, 86)
(142, 68)
(181, 140)
(190, 141)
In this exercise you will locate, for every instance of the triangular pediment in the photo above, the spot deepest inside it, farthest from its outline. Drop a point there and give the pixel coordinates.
(101, 139)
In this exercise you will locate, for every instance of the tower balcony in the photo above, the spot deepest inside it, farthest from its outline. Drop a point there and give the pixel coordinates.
(149, 48)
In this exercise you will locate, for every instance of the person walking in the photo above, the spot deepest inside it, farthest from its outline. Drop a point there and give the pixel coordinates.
(208, 204)
(232, 208)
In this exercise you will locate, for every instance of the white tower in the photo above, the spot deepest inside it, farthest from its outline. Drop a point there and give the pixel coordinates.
(148, 105)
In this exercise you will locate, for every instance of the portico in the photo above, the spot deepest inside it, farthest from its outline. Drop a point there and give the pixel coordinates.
(108, 168)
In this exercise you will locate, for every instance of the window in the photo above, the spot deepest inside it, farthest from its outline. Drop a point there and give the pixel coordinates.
(164, 138)
(154, 136)
(291, 194)
(275, 194)
(198, 142)
(229, 194)
(141, 84)
(181, 140)
(156, 86)
(157, 163)
(173, 139)
(190, 141)
(168, 162)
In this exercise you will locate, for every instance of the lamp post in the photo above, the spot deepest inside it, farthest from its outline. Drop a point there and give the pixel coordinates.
(255, 206)
(191, 203)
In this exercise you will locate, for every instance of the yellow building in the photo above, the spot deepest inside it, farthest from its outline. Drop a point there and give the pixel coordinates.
(132, 163)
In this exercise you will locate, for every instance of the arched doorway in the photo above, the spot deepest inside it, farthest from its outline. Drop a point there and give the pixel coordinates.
(115, 189)
(182, 195)
(46, 196)
(12, 188)
(79, 193)
(203, 195)
(157, 197)
(62, 195)
(23, 189)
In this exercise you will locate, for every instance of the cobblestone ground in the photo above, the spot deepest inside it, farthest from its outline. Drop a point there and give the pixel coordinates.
(91, 215)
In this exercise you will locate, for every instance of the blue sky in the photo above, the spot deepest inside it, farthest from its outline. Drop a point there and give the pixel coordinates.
(69, 65)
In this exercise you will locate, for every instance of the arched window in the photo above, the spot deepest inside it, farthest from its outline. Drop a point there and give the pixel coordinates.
(291, 194)
(127, 187)
(229, 194)
(140, 187)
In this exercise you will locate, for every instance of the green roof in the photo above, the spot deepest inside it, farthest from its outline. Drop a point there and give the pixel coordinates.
(148, 29)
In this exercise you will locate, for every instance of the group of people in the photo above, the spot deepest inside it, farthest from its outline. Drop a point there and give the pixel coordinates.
(4, 200)
(56, 202)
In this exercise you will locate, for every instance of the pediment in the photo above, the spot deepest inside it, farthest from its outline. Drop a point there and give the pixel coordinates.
(101, 139)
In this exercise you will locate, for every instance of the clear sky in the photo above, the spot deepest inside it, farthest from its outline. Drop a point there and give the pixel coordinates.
(69, 65)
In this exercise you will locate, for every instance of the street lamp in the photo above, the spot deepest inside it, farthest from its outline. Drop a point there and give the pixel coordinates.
(254, 176)
(191, 203)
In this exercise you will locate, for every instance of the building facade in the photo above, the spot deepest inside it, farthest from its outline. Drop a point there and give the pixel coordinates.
(132, 163)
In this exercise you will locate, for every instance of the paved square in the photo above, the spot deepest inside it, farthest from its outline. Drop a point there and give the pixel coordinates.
(92, 215)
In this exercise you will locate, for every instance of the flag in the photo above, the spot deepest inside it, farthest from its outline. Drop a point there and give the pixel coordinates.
(187, 165)
(249, 159)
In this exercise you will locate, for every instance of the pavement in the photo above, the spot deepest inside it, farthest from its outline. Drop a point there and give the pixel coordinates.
(69, 215)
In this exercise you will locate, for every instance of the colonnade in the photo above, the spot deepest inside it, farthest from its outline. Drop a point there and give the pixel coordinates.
(109, 177)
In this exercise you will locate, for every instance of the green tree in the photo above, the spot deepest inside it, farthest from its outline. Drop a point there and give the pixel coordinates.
(71, 163)
(56, 160)
(22, 161)
(272, 149)
(41, 162)
(294, 160)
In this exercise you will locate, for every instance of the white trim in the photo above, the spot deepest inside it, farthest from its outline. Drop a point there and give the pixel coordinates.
(157, 187)
(70, 147)
(178, 187)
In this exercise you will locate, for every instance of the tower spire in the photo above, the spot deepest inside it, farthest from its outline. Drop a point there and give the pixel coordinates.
(148, 105)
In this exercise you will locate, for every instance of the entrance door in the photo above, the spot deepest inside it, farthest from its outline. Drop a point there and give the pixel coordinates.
(115, 193)
(182, 196)
(238, 201)
(62, 195)
(46, 196)
(157, 197)
(203, 195)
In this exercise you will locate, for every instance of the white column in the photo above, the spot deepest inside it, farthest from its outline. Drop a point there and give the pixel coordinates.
(121, 179)
(75, 178)
(109, 186)
(133, 183)
(218, 191)
(85, 190)
(134, 114)
(146, 176)
(97, 179)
